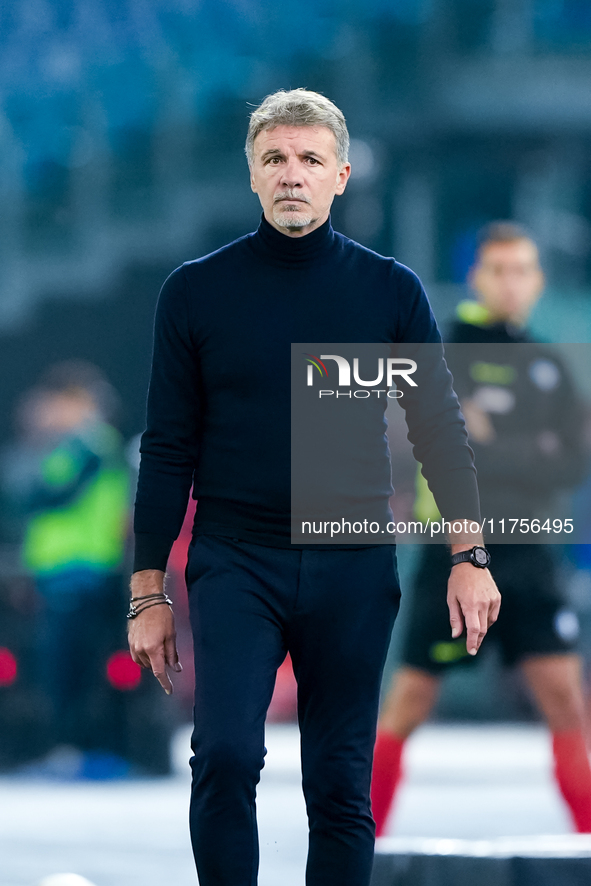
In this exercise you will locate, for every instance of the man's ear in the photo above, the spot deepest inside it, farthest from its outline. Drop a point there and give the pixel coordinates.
(343, 178)
(253, 186)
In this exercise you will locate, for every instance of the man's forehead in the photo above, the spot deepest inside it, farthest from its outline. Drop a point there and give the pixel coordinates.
(295, 137)
(520, 250)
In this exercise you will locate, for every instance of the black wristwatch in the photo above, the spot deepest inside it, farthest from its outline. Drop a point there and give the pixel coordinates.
(477, 556)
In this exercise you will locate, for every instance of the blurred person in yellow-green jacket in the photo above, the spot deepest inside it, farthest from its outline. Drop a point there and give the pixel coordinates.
(526, 424)
(74, 488)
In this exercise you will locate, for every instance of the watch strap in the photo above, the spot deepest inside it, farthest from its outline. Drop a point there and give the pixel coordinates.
(470, 556)
(461, 557)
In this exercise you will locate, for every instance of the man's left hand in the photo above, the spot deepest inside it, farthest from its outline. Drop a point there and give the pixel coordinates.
(474, 602)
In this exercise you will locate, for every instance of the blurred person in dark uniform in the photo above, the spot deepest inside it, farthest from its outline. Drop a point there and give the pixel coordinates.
(71, 483)
(219, 417)
(525, 422)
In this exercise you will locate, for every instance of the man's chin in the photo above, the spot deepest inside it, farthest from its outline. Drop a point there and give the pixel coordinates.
(293, 221)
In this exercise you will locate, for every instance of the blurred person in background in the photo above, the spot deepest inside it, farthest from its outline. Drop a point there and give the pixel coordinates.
(69, 479)
(526, 425)
(219, 419)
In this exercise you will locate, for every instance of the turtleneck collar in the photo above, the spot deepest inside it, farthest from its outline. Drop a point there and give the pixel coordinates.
(293, 252)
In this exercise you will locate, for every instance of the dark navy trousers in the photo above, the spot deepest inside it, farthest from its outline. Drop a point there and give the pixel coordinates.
(333, 611)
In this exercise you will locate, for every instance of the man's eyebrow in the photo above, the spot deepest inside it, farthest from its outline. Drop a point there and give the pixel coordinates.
(271, 152)
(311, 153)
(275, 152)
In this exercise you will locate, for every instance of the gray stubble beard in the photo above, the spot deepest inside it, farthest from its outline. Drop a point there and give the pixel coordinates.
(292, 219)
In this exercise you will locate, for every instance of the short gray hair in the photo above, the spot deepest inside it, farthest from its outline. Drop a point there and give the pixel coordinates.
(298, 107)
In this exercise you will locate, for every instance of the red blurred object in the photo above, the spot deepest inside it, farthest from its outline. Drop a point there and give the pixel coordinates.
(8, 667)
(178, 555)
(284, 704)
(184, 683)
(122, 671)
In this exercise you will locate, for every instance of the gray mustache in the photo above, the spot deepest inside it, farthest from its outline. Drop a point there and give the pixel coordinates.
(290, 195)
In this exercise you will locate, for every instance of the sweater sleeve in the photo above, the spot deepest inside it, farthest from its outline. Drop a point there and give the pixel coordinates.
(436, 426)
(170, 442)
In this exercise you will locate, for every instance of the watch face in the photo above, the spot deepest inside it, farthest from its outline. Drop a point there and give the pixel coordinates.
(481, 556)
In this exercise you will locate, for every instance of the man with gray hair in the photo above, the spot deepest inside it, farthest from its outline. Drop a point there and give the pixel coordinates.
(219, 418)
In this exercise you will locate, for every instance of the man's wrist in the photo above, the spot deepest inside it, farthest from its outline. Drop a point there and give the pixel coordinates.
(477, 556)
(142, 602)
(146, 582)
(464, 534)
(465, 546)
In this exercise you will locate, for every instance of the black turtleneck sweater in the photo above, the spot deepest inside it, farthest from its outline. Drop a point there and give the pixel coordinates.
(219, 398)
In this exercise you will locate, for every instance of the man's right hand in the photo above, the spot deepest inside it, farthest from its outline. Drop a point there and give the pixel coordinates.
(152, 635)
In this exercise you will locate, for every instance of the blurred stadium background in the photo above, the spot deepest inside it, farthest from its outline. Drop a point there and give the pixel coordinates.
(121, 133)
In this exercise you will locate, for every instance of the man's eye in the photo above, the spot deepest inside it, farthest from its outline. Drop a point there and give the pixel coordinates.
(274, 160)
(313, 161)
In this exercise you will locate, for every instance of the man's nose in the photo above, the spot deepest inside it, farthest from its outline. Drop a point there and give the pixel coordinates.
(292, 174)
